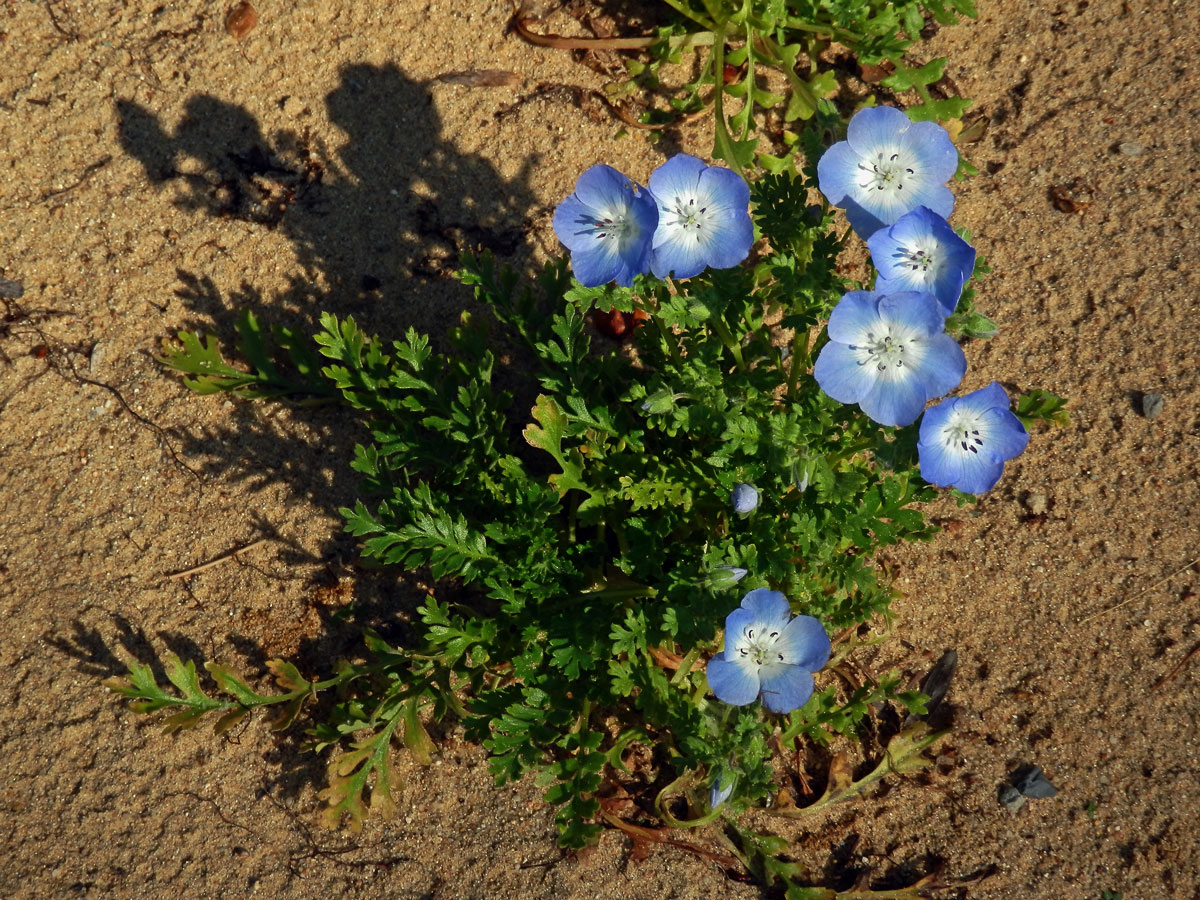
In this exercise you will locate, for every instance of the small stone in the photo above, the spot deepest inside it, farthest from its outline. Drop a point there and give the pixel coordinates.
(1036, 502)
(1011, 799)
(1131, 148)
(1152, 405)
(1033, 784)
(97, 357)
(294, 108)
(11, 290)
(241, 20)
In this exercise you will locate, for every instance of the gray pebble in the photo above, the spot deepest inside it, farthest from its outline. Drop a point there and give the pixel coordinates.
(11, 290)
(97, 357)
(1033, 784)
(1131, 148)
(1011, 799)
(1152, 405)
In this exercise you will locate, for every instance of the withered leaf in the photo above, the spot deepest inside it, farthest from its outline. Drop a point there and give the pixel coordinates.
(481, 78)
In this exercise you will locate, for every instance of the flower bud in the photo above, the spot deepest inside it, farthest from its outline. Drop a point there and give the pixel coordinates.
(744, 498)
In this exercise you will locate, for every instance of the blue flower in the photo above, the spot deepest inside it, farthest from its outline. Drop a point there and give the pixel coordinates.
(922, 253)
(886, 167)
(721, 789)
(889, 354)
(702, 218)
(964, 441)
(744, 498)
(769, 654)
(607, 224)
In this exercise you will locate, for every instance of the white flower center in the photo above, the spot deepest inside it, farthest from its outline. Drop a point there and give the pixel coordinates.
(886, 171)
(614, 226)
(888, 350)
(756, 646)
(964, 432)
(918, 259)
(689, 216)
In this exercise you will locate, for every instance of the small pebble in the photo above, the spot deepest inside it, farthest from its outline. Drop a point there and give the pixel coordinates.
(97, 357)
(1033, 784)
(241, 20)
(1011, 799)
(11, 290)
(293, 108)
(1131, 148)
(1152, 405)
(1036, 503)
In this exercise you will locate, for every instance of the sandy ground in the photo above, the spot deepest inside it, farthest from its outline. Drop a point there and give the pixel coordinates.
(160, 174)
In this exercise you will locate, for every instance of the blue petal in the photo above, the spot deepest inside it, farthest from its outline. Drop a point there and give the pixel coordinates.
(1005, 436)
(855, 314)
(727, 242)
(575, 224)
(839, 374)
(597, 266)
(678, 177)
(804, 643)
(787, 689)
(603, 187)
(736, 624)
(894, 402)
(837, 173)
(941, 366)
(767, 607)
(935, 151)
(724, 189)
(917, 310)
(867, 220)
(678, 252)
(877, 126)
(730, 682)
(974, 474)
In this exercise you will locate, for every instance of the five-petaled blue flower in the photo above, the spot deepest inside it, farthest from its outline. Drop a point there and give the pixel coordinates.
(922, 253)
(964, 441)
(702, 218)
(769, 654)
(607, 224)
(744, 498)
(889, 353)
(886, 167)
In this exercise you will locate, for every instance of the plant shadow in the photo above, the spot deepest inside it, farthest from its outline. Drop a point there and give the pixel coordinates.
(377, 225)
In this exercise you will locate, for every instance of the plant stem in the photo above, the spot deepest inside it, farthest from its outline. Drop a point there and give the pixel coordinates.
(685, 666)
(723, 139)
(727, 339)
(688, 13)
(799, 353)
(561, 42)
